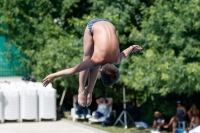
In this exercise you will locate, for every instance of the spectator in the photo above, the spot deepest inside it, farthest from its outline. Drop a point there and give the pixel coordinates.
(79, 110)
(180, 116)
(159, 121)
(193, 115)
(103, 107)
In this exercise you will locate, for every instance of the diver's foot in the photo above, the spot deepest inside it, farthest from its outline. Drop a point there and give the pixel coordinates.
(89, 99)
(82, 97)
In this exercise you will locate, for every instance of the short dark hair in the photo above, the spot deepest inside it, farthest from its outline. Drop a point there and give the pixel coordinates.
(109, 74)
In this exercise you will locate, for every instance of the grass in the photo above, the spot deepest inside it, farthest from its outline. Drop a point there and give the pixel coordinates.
(116, 129)
(111, 129)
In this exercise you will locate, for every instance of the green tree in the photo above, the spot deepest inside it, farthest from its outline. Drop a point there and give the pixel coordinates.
(170, 60)
(50, 34)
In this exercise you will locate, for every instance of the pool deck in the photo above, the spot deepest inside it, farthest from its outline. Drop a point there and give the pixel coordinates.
(61, 126)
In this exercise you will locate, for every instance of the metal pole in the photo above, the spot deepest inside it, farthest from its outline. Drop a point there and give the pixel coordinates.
(61, 101)
(124, 100)
(124, 112)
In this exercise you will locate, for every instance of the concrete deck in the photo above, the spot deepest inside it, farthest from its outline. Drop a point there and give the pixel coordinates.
(61, 126)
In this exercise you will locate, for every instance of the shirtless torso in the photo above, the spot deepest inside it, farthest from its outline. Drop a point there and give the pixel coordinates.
(106, 45)
(101, 43)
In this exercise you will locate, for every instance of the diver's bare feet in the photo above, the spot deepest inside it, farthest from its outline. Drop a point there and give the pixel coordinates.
(82, 97)
(89, 99)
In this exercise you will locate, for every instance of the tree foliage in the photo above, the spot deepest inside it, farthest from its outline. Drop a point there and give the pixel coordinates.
(50, 34)
(170, 60)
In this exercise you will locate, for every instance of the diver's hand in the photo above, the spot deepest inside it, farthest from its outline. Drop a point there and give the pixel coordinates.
(48, 79)
(136, 48)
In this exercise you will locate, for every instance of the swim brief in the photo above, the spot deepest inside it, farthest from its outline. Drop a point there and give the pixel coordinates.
(90, 24)
(98, 114)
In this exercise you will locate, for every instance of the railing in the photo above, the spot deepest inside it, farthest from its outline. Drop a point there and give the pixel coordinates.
(9, 71)
(10, 67)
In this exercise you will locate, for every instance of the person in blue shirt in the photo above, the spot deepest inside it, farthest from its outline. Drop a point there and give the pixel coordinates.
(180, 116)
(79, 110)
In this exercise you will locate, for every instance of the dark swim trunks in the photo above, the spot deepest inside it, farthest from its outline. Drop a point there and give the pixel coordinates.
(98, 114)
(90, 24)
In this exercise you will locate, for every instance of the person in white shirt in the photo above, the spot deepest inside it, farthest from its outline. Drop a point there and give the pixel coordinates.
(103, 107)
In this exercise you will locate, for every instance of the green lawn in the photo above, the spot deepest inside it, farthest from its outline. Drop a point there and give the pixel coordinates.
(116, 129)
(112, 129)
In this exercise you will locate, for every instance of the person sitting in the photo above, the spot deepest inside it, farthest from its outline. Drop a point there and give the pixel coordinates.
(193, 115)
(79, 110)
(159, 121)
(103, 107)
(180, 116)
